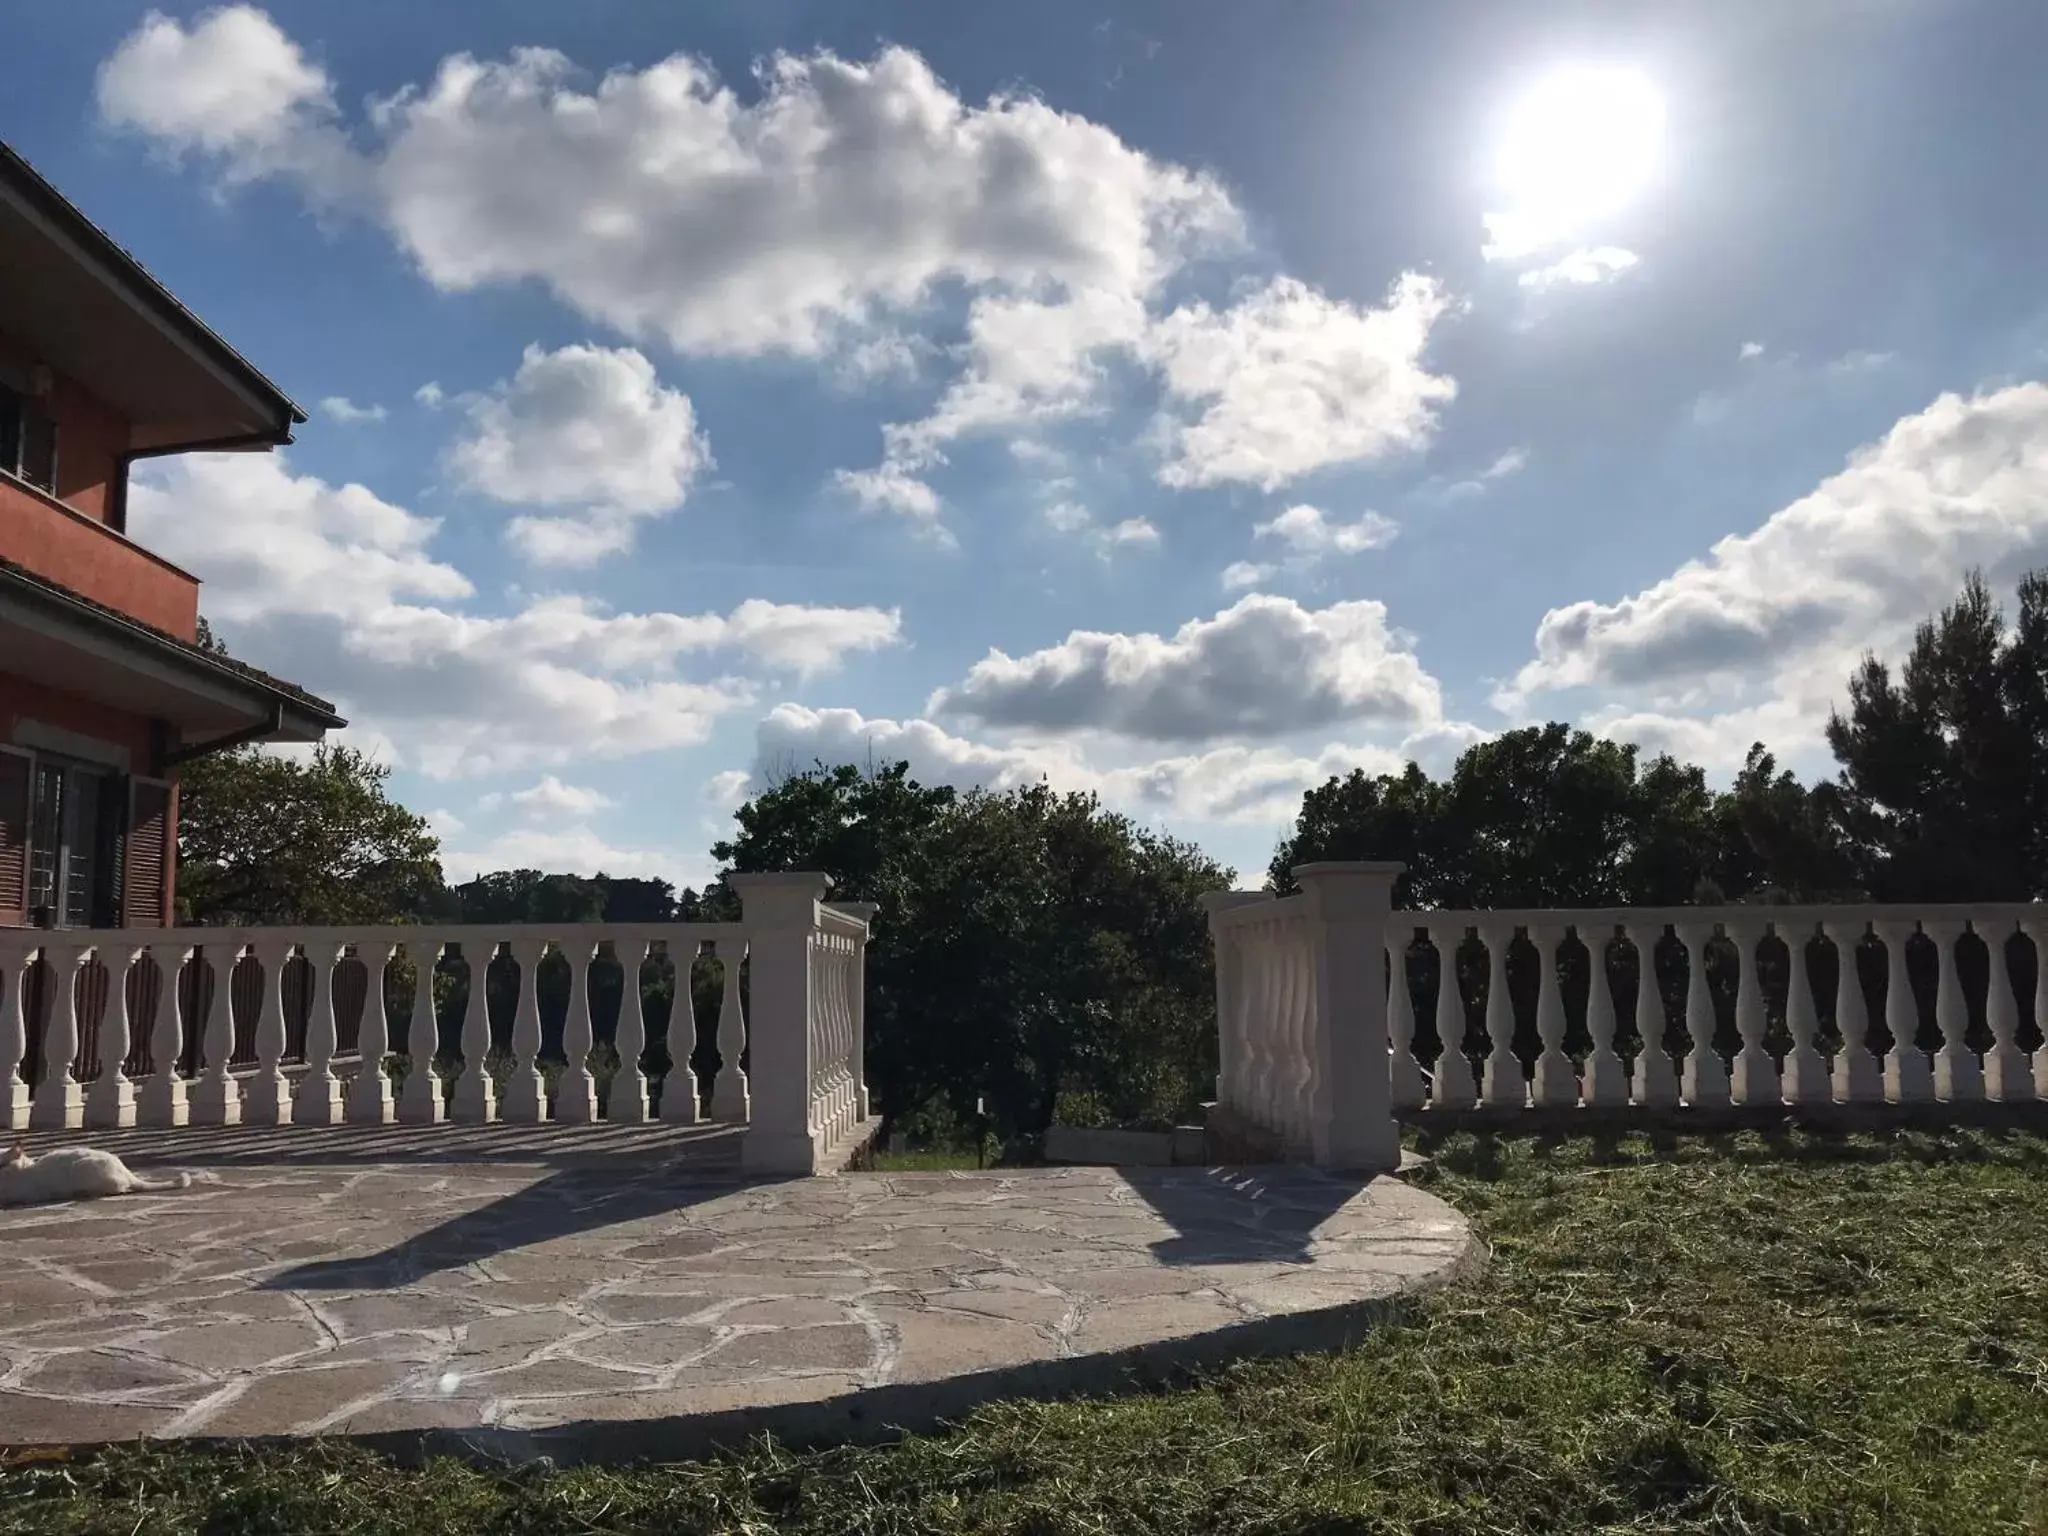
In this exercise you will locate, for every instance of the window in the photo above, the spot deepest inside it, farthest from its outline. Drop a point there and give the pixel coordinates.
(73, 846)
(28, 440)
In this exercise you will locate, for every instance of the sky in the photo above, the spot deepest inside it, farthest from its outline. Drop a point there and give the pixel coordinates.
(1183, 400)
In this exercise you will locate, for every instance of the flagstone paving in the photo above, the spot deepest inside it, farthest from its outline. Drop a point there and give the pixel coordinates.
(523, 1293)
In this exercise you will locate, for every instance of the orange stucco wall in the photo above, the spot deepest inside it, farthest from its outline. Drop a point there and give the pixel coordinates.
(22, 700)
(64, 538)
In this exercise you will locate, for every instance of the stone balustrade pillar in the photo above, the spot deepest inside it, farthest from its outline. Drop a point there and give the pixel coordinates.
(1351, 1114)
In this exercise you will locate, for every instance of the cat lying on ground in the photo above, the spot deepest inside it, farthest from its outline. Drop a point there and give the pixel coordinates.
(77, 1173)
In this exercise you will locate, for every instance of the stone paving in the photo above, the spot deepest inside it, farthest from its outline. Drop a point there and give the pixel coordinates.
(616, 1293)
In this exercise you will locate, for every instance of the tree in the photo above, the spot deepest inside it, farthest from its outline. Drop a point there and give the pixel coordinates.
(267, 839)
(1944, 781)
(1030, 945)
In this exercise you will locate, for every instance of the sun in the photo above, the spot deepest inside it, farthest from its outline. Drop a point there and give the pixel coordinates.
(1575, 147)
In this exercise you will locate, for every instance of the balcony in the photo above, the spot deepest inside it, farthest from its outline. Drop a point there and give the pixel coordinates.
(49, 539)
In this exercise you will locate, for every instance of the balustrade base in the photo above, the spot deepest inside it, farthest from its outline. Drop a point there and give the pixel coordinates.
(1824, 1118)
(110, 1104)
(57, 1107)
(14, 1106)
(267, 1099)
(524, 1101)
(163, 1103)
(369, 1098)
(216, 1101)
(575, 1099)
(474, 1102)
(730, 1105)
(798, 1153)
(318, 1101)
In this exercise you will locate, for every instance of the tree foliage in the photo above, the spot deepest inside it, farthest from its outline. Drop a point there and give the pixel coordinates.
(268, 839)
(1030, 945)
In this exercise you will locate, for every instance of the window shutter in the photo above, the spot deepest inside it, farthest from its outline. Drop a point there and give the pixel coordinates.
(16, 772)
(146, 865)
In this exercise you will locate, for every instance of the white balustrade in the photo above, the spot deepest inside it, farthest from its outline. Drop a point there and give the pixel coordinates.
(1656, 1080)
(1410, 1088)
(1275, 1031)
(1451, 1086)
(92, 995)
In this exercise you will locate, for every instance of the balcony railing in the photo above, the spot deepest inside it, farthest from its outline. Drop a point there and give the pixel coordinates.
(1337, 1014)
(468, 1023)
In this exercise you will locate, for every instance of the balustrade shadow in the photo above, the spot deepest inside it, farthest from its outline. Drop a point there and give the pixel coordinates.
(1242, 1215)
(565, 1203)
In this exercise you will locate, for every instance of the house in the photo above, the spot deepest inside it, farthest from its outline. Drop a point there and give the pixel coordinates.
(105, 688)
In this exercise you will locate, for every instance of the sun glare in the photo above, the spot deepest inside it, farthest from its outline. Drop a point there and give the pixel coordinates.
(1578, 145)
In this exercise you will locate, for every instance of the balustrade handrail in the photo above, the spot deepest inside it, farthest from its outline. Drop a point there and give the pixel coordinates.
(1682, 916)
(388, 933)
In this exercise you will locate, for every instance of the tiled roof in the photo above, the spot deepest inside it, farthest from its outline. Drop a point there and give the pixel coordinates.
(158, 639)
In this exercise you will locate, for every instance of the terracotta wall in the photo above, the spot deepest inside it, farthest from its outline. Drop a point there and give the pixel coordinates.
(23, 700)
(70, 549)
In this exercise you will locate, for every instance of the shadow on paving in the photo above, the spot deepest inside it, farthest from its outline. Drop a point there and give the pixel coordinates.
(1242, 1215)
(562, 1204)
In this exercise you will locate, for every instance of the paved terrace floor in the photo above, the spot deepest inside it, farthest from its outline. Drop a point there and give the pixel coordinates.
(607, 1293)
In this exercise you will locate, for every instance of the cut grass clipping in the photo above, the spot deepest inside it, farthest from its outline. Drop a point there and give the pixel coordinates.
(1729, 1334)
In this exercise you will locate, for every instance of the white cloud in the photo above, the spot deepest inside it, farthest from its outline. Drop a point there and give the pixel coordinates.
(1073, 519)
(892, 489)
(726, 792)
(347, 412)
(334, 589)
(1231, 784)
(1513, 462)
(1765, 630)
(549, 798)
(662, 204)
(585, 428)
(234, 87)
(1240, 574)
(1264, 666)
(1581, 268)
(1751, 349)
(1307, 531)
(431, 395)
(1288, 381)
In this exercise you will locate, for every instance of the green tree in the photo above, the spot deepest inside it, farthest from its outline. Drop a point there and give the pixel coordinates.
(1944, 781)
(267, 839)
(1030, 945)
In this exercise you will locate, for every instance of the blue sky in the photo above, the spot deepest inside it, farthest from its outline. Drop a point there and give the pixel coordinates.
(1184, 400)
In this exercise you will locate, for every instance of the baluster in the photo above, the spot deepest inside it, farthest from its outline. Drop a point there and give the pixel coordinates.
(1606, 1076)
(419, 1100)
(59, 1101)
(729, 1101)
(2037, 935)
(1858, 1078)
(1706, 1076)
(1755, 1078)
(1958, 1078)
(525, 1101)
(1451, 1086)
(1656, 1081)
(369, 1096)
(1298, 1070)
(1557, 1080)
(266, 1097)
(576, 1090)
(627, 1102)
(1410, 1087)
(217, 1096)
(682, 1096)
(14, 1096)
(1907, 1077)
(476, 1096)
(317, 1100)
(2007, 1078)
(161, 1101)
(1806, 1071)
(110, 1097)
(1505, 1086)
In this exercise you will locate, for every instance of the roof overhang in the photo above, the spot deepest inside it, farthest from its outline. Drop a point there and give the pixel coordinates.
(89, 310)
(50, 637)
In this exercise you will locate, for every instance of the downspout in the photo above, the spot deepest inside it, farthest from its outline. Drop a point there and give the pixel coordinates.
(273, 437)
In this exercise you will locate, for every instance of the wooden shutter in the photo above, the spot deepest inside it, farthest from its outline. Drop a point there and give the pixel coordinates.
(146, 862)
(17, 771)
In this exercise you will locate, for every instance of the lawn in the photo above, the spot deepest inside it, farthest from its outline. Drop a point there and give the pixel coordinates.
(1719, 1334)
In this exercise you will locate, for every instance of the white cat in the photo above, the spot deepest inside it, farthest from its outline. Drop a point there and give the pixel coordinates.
(77, 1173)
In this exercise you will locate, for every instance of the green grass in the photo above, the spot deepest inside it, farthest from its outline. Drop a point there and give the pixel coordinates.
(1725, 1334)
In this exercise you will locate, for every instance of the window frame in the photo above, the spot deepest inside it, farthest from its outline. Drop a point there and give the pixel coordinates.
(99, 846)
